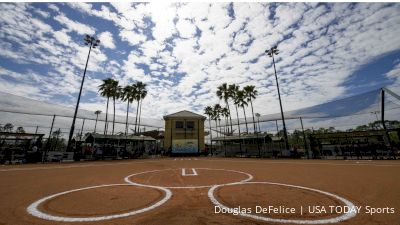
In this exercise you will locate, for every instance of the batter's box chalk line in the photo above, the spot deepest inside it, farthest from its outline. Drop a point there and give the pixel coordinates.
(33, 209)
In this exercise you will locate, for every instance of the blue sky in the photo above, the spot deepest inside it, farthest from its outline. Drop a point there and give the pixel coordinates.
(183, 51)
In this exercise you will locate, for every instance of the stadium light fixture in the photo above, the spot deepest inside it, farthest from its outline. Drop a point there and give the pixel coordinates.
(271, 52)
(92, 42)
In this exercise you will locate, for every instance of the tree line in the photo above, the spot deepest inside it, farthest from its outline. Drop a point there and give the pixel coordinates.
(9, 127)
(110, 88)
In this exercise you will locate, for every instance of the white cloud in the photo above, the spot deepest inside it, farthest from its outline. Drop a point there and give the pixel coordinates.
(80, 28)
(106, 39)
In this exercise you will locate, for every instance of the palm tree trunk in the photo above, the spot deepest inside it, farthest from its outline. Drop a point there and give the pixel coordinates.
(209, 123)
(106, 123)
(230, 117)
(140, 112)
(237, 113)
(244, 111)
(137, 112)
(113, 117)
(126, 123)
(252, 113)
(216, 127)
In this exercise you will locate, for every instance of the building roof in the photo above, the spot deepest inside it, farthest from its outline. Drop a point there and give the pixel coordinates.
(114, 137)
(184, 114)
(242, 137)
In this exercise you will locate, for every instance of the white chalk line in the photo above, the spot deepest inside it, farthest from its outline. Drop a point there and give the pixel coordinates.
(184, 174)
(127, 178)
(80, 166)
(299, 163)
(33, 208)
(343, 217)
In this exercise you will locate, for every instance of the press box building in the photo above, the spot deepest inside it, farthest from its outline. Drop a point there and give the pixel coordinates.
(184, 133)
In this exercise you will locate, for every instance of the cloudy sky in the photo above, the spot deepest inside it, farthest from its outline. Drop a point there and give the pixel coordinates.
(184, 51)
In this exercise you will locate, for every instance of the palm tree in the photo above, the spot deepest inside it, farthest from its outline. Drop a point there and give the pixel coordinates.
(225, 113)
(115, 94)
(258, 119)
(106, 91)
(223, 93)
(209, 112)
(97, 112)
(250, 94)
(216, 114)
(241, 101)
(128, 95)
(233, 90)
(143, 95)
(139, 87)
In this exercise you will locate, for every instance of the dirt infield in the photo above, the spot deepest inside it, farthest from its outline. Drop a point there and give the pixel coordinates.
(184, 191)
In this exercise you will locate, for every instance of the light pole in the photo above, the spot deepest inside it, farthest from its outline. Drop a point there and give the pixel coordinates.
(271, 52)
(97, 112)
(93, 43)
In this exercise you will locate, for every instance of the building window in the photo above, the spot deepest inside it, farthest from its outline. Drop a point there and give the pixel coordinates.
(190, 124)
(179, 124)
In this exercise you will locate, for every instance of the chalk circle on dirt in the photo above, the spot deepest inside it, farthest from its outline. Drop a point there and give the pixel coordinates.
(129, 181)
(342, 217)
(33, 208)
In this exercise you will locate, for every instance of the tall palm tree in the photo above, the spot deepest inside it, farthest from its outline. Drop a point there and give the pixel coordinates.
(139, 86)
(223, 93)
(128, 95)
(115, 94)
(225, 113)
(97, 112)
(216, 113)
(233, 90)
(209, 112)
(105, 90)
(250, 94)
(143, 95)
(241, 101)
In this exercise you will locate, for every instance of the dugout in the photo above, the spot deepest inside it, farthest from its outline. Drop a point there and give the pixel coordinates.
(373, 143)
(18, 147)
(113, 146)
(184, 133)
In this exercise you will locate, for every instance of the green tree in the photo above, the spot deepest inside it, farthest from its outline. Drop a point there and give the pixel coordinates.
(106, 90)
(240, 100)
(128, 95)
(143, 95)
(223, 92)
(233, 90)
(8, 127)
(251, 93)
(139, 87)
(20, 130)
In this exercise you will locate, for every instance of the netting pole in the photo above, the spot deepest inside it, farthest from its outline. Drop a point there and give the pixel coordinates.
(48, 140)
(37, 127)
(277, 134)
(304, 137)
